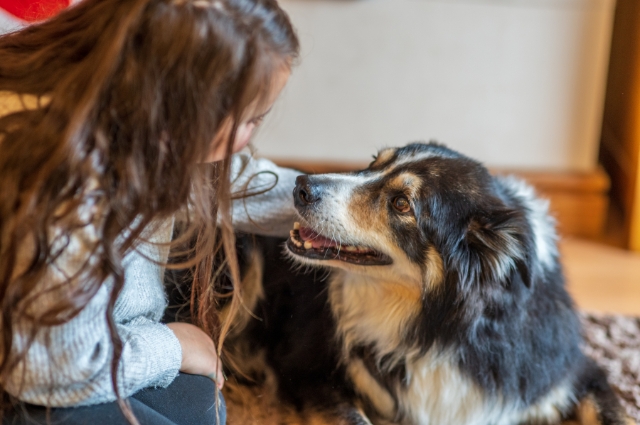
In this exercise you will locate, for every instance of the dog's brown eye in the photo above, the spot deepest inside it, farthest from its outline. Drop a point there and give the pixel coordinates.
(401, 204)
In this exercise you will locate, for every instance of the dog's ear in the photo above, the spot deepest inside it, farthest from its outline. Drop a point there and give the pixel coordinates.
(499, 245)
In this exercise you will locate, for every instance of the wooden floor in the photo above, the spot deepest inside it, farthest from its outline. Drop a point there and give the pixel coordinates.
(602, 278)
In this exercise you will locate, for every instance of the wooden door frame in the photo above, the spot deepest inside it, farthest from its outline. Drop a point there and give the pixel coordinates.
(620, 143)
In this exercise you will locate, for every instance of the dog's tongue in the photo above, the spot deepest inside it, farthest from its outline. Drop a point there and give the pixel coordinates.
(316, 239)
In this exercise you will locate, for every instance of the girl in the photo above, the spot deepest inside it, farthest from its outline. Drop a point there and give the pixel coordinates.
(111, 112)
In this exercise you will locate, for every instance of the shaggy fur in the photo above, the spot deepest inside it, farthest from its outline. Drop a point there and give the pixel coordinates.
(429, 292)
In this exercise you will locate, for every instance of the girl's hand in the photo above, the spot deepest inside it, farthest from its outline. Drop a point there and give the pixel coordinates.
(199, 356)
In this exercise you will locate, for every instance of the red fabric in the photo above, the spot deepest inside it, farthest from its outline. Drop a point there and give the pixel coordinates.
(33, 10)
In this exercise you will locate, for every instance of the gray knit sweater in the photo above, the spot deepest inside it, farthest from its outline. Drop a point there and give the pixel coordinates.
(70, 365)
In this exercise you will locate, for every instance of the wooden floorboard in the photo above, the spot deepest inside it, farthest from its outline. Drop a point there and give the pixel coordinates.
(602, 278)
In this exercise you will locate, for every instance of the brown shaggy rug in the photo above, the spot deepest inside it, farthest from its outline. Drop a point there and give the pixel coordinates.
(614, 342)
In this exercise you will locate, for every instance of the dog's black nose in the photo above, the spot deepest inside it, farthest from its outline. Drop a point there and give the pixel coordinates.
(305, 192)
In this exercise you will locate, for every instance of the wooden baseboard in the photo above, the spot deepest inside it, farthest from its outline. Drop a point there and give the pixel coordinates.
(579, 201)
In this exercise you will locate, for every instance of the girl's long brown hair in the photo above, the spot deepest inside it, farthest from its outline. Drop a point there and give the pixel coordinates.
(131, 94)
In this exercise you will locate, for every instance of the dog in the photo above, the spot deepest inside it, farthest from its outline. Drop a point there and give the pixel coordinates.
(427, 292)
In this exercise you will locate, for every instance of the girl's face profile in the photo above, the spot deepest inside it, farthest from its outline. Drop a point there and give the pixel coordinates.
(246, 128)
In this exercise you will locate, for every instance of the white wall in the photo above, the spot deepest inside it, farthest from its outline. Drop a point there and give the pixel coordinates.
(517, 83)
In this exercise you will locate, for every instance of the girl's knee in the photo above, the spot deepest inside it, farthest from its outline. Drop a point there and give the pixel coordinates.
(203, 397)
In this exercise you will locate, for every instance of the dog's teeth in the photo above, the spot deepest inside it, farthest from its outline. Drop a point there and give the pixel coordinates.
(350, 248)
(308, 245)
(296, 243)
(296, 226)
(362, 248)
(292, 234)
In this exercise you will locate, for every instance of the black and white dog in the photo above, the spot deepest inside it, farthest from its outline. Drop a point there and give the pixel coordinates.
(443, 303)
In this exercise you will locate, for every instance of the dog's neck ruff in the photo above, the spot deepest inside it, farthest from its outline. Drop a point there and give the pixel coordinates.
(374, 313)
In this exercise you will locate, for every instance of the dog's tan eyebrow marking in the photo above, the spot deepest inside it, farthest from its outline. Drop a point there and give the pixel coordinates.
(383, 157)
(407, 182)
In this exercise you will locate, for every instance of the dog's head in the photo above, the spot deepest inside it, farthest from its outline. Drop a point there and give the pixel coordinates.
(419, 213)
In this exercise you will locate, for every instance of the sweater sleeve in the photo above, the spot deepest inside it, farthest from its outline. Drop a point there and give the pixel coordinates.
(70, 364)
(267, 206)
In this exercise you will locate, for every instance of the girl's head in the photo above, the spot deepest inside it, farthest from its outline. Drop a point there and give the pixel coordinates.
(251, 119)
(134, 96)
(144, 89)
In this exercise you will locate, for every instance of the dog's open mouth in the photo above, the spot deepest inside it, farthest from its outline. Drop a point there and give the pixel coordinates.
(306, 242)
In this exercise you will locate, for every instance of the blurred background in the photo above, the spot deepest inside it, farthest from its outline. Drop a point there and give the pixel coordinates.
(546, 89)
(514, 83)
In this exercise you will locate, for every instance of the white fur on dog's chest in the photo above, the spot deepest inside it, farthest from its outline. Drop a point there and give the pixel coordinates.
(372, 314)
(438, 394)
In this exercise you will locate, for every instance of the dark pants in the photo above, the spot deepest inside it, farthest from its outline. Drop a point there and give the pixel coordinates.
(189, 400)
